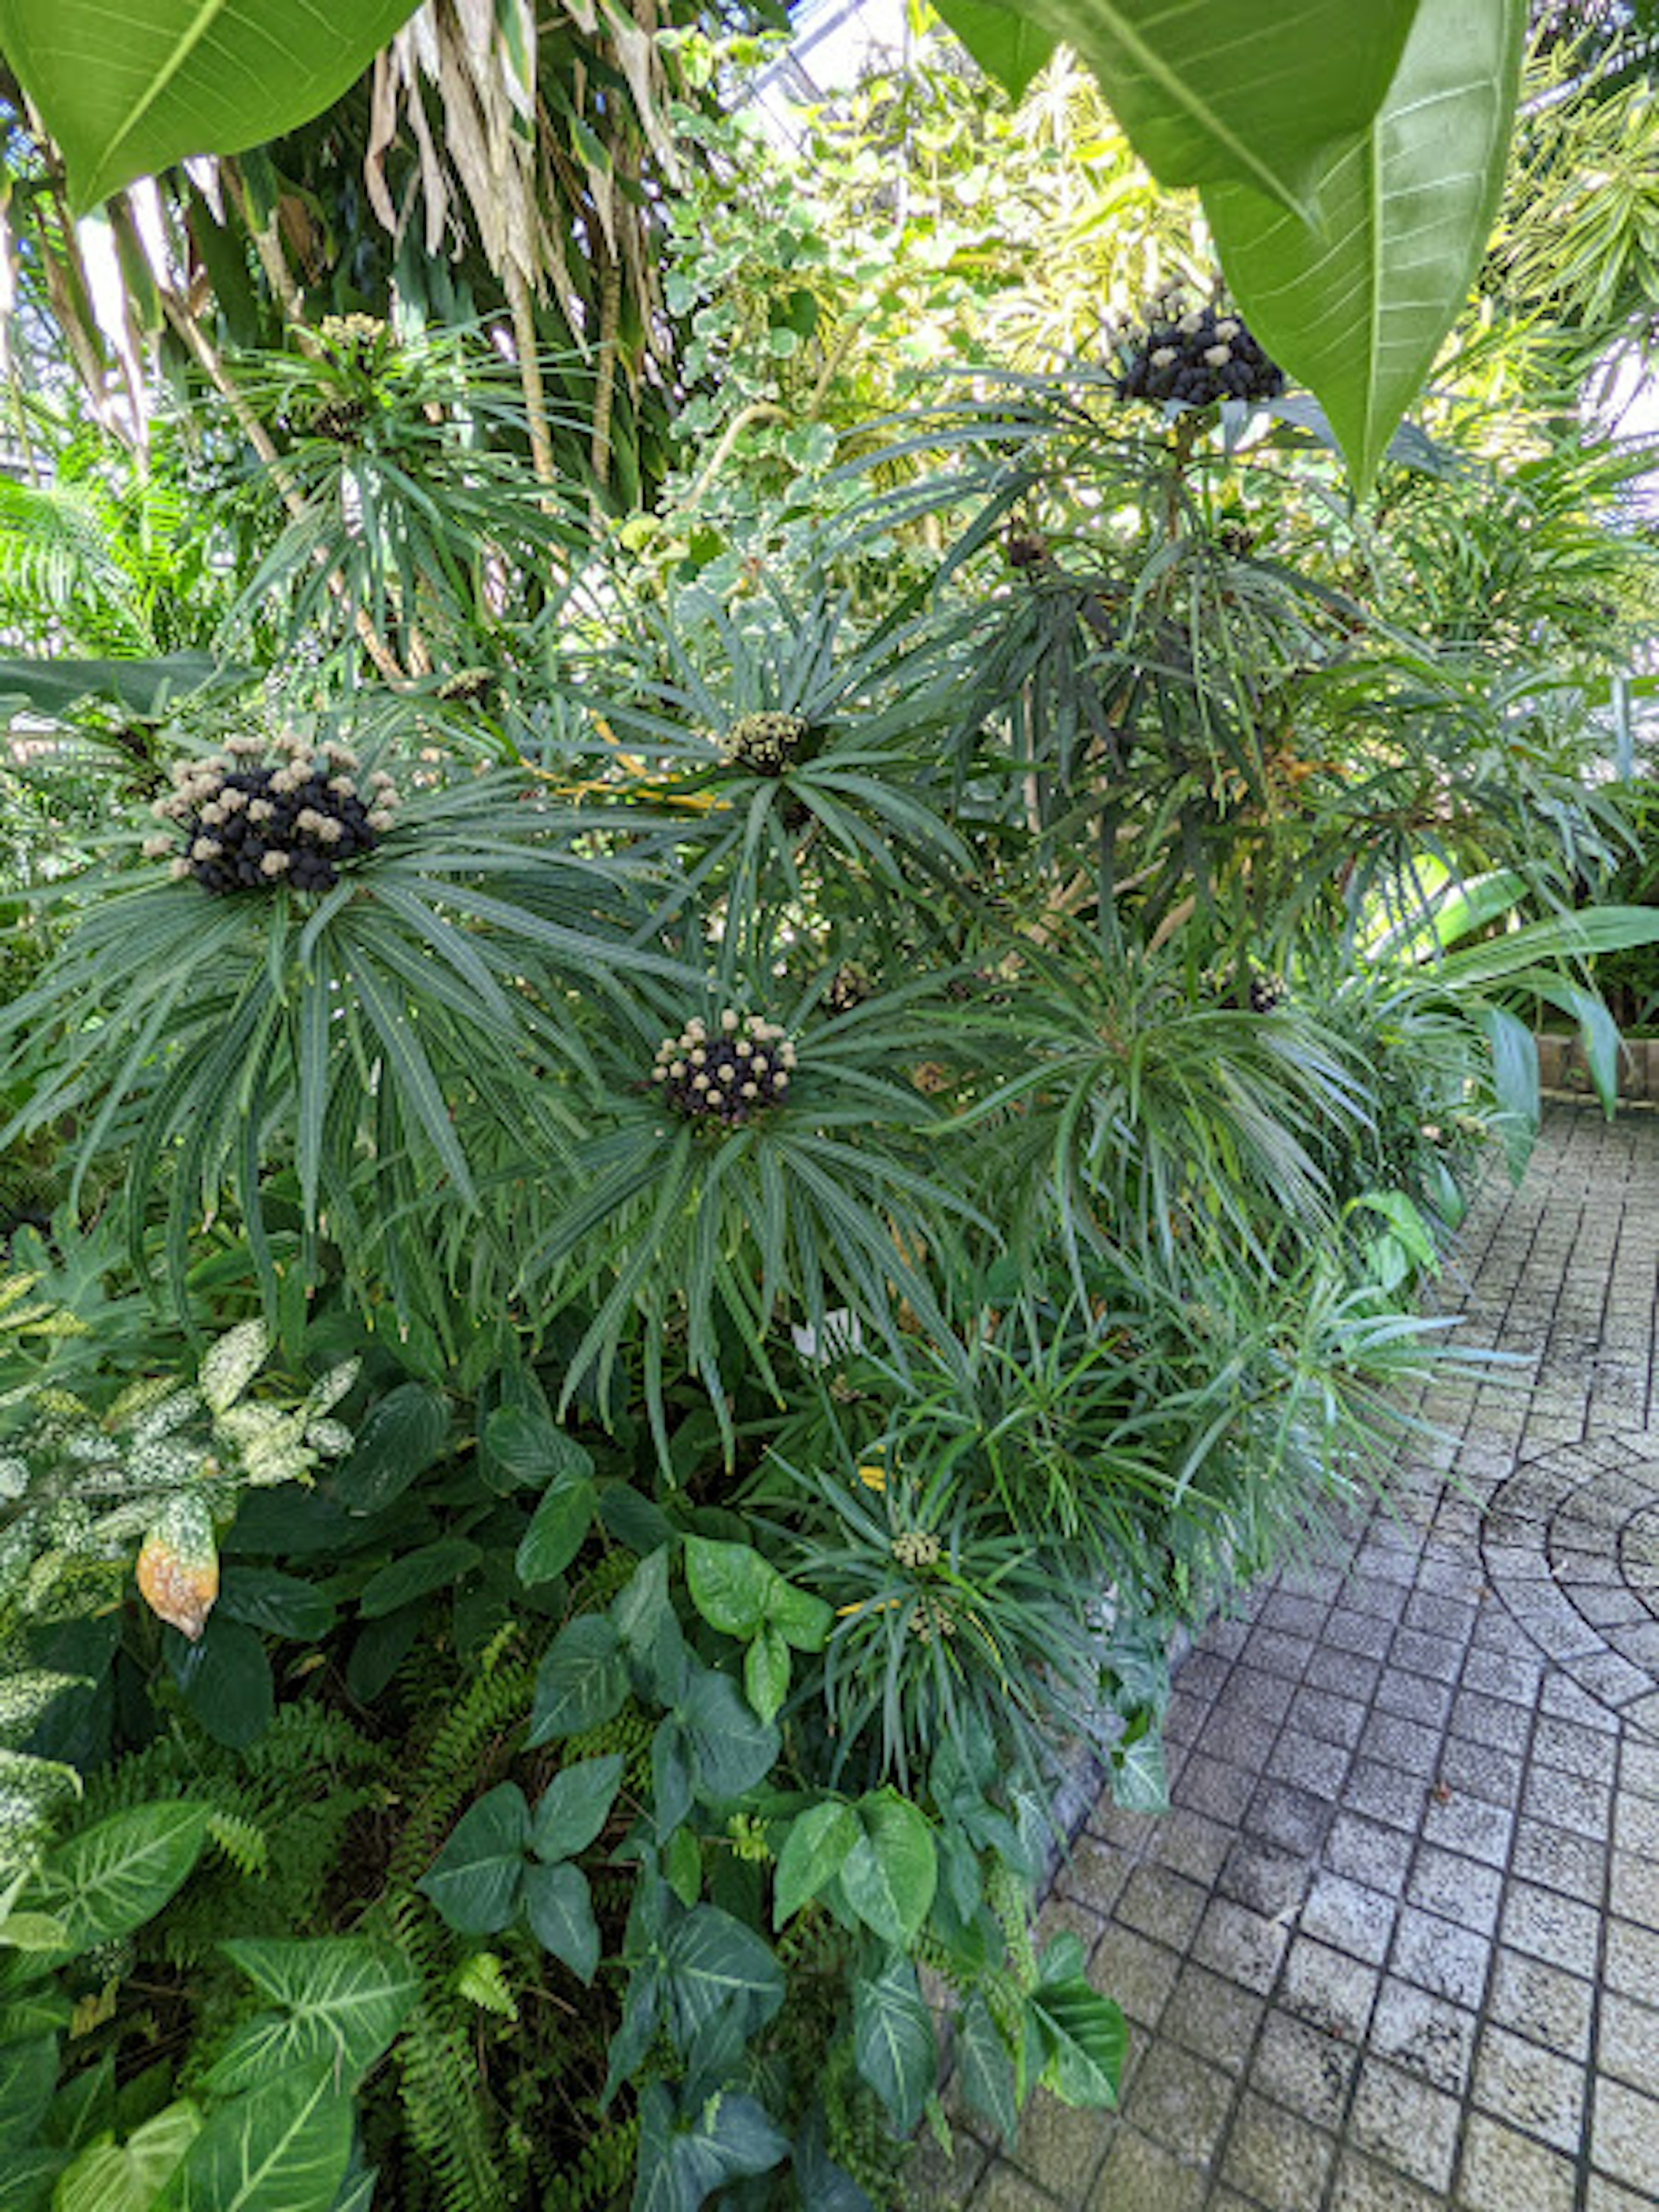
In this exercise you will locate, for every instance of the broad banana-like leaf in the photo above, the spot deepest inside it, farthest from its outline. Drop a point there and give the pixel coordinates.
(1258, 92)
(1356, 307)
(1008, 45)
(127, 91)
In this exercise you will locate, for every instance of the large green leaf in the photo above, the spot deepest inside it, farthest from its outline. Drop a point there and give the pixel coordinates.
(559, 1907)
(118, 1875)
(1083, 2039)
(112, 2176)
(893, 2041)
(574, 1807)
(1007, 46)
(55, 688)
(890, 1876)
(814, 1850)
(475, 1881)
(582, 1682)
(713, 1965)
(684, 2157)
(342, 1998)
(1357, 307)
(126, 93)
(402, 1435)
(283, 2148)
(1234, 89)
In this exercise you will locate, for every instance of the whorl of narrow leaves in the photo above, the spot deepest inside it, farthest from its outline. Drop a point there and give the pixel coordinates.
(1197, 355)
(729, 1072)
(767, 744)
(261, 814)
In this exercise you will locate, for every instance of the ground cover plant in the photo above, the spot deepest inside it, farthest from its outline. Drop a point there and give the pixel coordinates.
(672, 1195)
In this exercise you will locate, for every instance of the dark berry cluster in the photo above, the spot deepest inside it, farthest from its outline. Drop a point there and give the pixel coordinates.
(729, 1070)
(767, 744)
(268, 813)
(1196, 355)
(1267, 993)
(338, 420)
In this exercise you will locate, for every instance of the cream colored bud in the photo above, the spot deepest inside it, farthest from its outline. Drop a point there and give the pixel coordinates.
(329, 832)
(180, 869)
(1164, 357)
(1217, 356)
(157, 848)
(206, 848)
(275, 864)
(381, 819)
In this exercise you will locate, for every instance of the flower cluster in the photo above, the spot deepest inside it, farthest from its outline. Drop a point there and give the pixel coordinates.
(916, 1548)
(353, 334)
(932, 1618)
(767, 744)
(1197, 355)
(727, 1071)
(267, 812)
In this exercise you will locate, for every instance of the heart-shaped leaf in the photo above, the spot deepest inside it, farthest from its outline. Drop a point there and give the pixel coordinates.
(573, 1806)
(474, 1880)
(560, 1910)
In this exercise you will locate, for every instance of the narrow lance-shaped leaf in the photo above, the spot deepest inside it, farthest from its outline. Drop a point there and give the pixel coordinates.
(1357, 307)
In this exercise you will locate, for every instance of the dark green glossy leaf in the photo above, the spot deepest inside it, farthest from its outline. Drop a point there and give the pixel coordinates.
(417, 1575)
(474, 1880)
(893, 2041)
(890, 1875)
(557, 1530)
(574, 1807)
(813, 1853)
(582, 1682)
(402, 1435)
(560, 1910)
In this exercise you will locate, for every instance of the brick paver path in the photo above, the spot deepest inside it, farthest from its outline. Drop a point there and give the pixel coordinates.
(1395, 1948)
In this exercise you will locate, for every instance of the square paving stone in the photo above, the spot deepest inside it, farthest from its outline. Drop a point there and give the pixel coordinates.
(1363, 1636)
(1542, 2003)
(1064, 1916)
(1366, 1852)
(1625, 2135)
(1556, 1859)
(1459, 1889)
(1328, 1989)
(1555, 1743)
(1060, 2147)
(1562, 1929)
(1412, 1745)
(1497, 1674)
(1162, 1904)
(1502, 2171)
(1530, 2088)
(1244, 1738)
(1351, 1918)
(1139, 2176)
(1309, 1762)
(1336, 1670)
(1181, 2102)
(1491, 1722)
(1276, 2159)
(1568, 1801)
(1627, 2041)
(1137, 1973)
(1401, 2119)
(1478, 1769)
(1639, 1769)
(1289, 1817)
(1006, 2188)
(1451, 1962)
(1461, 1823)
(1268, 1880)
(1606, 2196)
(1384, 1793)
(945, 2182)
(1325, 1715)
(1304, 2068)
(1193, 1843)
(1363, 2186)
(1421, 1658)
(1212, 2015)
(1636, 1826)
(1212, 1787)
(1633, 1892)
(1423, 2035)
(1245, 1946)
(1094, 1874)
(1562, 1696)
